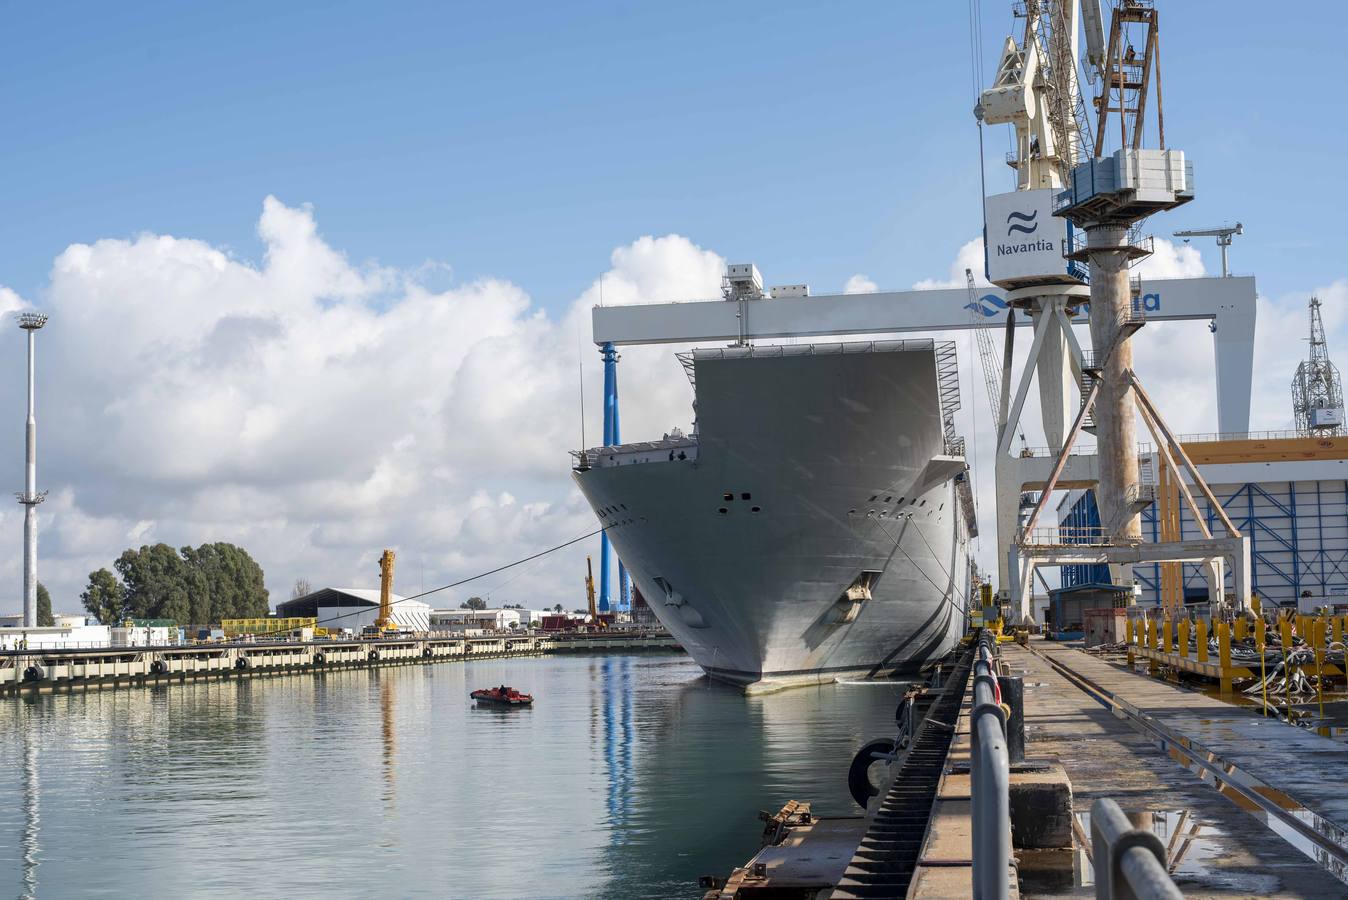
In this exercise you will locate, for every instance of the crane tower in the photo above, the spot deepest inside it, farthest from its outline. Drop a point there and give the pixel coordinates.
(1317, 395)
(385, 620)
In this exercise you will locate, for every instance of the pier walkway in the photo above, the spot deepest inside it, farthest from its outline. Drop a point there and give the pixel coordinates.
(1217, 837)
(83, 668)
(1243, 805)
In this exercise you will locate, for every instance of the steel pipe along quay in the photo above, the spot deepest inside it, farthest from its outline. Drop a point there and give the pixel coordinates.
(1129, 862)
(991, 808)
(990, 777)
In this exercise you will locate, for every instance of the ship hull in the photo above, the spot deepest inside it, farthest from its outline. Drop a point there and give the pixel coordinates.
(813, 531)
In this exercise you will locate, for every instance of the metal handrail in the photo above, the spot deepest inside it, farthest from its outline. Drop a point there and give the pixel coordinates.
(1129, 862)
(1207, 437)
(831, 349)
(989, 780)
(1066, 536)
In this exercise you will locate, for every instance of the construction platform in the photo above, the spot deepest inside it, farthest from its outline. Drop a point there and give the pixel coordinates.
(84, 668)
(1243, 805)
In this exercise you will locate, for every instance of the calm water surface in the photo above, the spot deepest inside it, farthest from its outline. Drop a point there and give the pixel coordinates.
(631, 777)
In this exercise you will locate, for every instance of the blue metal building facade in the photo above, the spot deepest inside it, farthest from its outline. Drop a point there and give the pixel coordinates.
(1298, 539)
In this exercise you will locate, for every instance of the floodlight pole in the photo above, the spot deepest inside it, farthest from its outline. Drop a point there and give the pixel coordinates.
(30, 322)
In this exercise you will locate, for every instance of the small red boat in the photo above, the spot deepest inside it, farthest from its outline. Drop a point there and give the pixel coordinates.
(502, 696)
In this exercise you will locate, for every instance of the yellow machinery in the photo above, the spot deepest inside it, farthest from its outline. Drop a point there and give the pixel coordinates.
(235, 627)
(385, 620)
(589, 591)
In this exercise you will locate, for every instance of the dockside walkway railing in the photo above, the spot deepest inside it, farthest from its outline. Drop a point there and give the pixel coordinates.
(990, 778)
(1130, 863)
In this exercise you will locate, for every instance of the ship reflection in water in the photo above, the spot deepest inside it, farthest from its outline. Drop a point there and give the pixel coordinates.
(629, 777)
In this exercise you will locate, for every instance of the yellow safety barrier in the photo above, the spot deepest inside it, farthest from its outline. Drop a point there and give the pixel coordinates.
(236, 627)
(1260, 627)
(1202, 637)
(1224, 656)
(1183, 636)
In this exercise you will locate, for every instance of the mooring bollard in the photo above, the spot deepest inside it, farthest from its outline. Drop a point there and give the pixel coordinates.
(1224, 656)
(1013, 697)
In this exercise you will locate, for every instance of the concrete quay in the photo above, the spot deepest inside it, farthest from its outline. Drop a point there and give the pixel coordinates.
(1242, 805)
(68, 669)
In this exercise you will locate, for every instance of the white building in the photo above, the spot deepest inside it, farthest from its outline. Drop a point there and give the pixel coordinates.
(355, 608)
(57, 636)
(487, 619)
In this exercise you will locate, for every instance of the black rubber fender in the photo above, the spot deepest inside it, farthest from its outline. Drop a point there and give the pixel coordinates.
(426, 653)
(374, 656)
(858, 777)
(319, 659)
(242, 662)
(34, 672)
(159, 667)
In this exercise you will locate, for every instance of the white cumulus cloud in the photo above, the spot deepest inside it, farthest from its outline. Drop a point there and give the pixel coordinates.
(860, 284)
(315, 411)
(969, 256)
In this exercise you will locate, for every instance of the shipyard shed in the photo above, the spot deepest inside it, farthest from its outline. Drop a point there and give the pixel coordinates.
(1295, 512)
(355, 608)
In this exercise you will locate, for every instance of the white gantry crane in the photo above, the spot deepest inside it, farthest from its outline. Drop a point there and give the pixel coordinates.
(1029, 251)
(1106, 195)
(1036, 90)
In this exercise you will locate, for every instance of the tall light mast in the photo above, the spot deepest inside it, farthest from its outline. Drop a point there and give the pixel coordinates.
(30, 322)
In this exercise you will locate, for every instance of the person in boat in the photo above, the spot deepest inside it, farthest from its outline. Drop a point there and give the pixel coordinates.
(505, 692)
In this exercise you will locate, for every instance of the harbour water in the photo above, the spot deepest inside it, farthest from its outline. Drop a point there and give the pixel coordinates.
(630, 777)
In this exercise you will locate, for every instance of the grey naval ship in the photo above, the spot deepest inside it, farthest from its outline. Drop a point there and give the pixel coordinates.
(815, 524)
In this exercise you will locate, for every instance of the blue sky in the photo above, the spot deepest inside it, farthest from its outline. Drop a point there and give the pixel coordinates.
(528, 140)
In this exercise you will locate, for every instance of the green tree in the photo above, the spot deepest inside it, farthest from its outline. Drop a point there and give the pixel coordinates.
(473, 603)
(105, 597)
(233, 581)
(158, 583)
(44, 617)
(194, 586)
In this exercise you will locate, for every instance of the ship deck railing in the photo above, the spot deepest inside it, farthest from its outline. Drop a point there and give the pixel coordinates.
(669, 450)
(745, 351)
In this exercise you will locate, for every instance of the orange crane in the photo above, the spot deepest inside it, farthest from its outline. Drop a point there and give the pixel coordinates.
(589, 591)
(385, 620)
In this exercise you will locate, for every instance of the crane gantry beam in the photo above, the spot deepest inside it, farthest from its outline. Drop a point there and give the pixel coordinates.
(1228, 304)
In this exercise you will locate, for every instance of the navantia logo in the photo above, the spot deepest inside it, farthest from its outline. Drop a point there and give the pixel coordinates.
(987, 305)
(1148, 302)
(990, 305)
(1025, 224)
